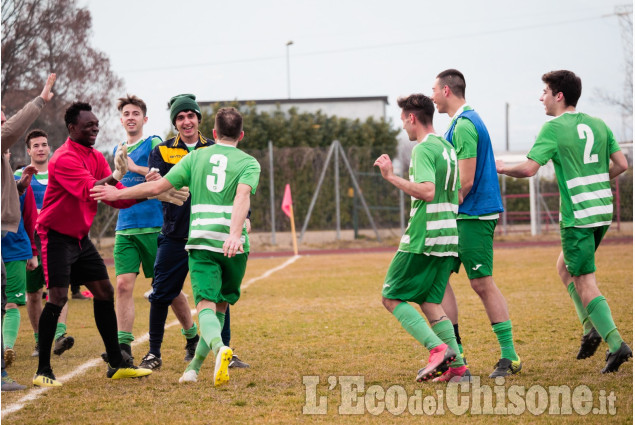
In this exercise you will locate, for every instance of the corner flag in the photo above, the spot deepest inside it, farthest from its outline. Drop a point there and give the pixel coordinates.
(287, 202)
(287, 208)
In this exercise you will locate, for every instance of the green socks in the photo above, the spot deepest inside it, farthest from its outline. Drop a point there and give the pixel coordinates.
(445, 331)
(579, 308)
(203, 349)
(37, 337)
(600, 314)
(503, 331)
(210, 329)
(59, 330)
(123, 337)
(416, 326)
(191, 332)
(10, 327)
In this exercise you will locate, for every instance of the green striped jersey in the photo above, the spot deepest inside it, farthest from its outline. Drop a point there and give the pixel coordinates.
(213, 175)
(580, 147)
(432, 226)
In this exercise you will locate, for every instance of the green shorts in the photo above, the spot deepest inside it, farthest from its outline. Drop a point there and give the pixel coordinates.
(35, 278)
(579, 245)
(132, 250)
(215, 277)
(418, 278)
(476, 247)
(16, 282)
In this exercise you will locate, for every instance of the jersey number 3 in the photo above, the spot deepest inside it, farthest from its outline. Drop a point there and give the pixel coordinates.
(585, 132)
(216, 180)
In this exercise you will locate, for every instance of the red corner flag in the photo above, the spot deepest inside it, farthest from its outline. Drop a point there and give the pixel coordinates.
(286, 201)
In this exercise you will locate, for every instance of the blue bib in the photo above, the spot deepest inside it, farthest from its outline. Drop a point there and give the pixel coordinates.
(143, 214)
(485, 195)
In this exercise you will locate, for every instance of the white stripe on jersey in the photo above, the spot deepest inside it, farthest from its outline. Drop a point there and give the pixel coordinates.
(206, 221)
(587, 196)
(441, 224)
(596, 224)
(587, 212)
(442, 207)
(595, 178)
(217, 236)
(405, 239)
(207, 248)
(442, 240)
(207, 208)
(413, 211)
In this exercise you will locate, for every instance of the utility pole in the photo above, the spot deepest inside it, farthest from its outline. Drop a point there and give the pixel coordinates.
(289, 43)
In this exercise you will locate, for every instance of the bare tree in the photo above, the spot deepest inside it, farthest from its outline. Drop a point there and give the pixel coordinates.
(44, 36)
(624, 101)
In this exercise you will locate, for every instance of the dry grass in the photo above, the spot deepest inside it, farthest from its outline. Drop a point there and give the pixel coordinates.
(322, 316)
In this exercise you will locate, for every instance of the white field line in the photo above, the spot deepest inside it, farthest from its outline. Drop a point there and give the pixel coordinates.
(270, 272)
(35, 393)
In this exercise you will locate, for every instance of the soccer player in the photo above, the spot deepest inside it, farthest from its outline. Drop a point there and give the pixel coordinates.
(68, 255)
(220, 179)
(427, 254)
(138, 226)
(38, 149)
(478, 213)
(12, 129)
(19, 254)
(586, 157)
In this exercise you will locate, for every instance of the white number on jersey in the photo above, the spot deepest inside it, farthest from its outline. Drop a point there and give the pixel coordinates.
(452, 157)
(585, 132)
(216, 181)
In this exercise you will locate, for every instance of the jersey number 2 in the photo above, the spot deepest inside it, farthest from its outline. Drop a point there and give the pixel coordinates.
(216, 181)
(585, 132)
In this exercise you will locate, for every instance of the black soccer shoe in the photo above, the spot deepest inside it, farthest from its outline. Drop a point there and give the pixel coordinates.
(589, 344)
(615, 360)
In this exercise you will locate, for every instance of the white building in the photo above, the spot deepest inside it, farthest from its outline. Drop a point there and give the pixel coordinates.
(344, 107)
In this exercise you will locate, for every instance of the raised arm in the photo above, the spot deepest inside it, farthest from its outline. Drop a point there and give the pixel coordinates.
(18, 124)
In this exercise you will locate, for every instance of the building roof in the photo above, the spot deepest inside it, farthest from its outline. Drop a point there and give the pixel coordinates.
(294, 101)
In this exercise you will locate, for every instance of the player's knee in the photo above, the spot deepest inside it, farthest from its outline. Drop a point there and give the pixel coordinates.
(483, 285)
(102, 290)
(58, 296)
(388, 303)
(125, 285)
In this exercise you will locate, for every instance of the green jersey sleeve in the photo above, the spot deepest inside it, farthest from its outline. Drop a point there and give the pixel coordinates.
(251, 175)
(545, 146)
(180, 174)
(465, 139)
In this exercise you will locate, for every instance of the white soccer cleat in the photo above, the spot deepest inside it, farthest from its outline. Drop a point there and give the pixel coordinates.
(188, 376)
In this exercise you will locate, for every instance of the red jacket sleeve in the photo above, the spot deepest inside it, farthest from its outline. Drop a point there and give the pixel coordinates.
(29, 216)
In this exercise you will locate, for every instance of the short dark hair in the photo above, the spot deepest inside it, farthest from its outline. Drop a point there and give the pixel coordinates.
(565, 82)
(418, 104)
(33, 134)
(132, 100)
(228, 123)
(71, 114)
(455, 80)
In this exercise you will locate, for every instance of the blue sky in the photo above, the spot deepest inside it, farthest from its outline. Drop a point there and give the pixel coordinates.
(237, 50)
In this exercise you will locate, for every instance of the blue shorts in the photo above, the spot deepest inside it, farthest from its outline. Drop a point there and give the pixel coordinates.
(170, 269)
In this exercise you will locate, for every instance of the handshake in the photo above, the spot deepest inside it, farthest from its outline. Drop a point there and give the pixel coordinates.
(173, 196)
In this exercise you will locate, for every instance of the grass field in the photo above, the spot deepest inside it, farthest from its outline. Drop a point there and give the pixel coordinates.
(322, 316)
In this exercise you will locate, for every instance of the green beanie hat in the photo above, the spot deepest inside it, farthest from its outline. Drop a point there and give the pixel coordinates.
(183, 102)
